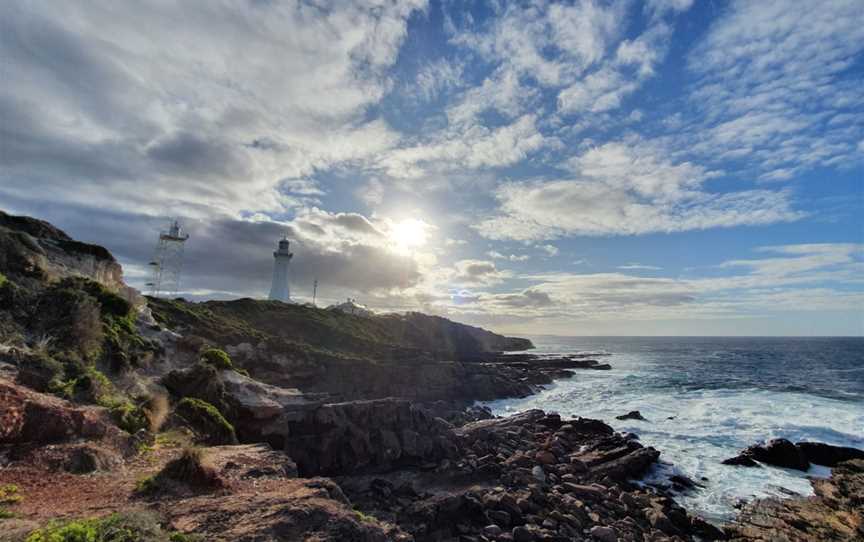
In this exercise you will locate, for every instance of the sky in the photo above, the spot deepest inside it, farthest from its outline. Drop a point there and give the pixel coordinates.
(666, 167)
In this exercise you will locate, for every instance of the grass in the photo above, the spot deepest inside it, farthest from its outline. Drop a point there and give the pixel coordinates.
(366, 518)
(131, 527)
(8, 496)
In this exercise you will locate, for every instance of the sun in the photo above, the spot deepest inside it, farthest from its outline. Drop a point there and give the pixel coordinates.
(409, 233)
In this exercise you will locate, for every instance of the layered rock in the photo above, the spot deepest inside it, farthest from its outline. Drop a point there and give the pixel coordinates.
(30, 419)
(835, 512)
(530, 477)
(362, 436)
(34, 250)
(778, 452)
(799, 456)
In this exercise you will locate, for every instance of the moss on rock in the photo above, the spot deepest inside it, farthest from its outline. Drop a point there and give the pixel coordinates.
(207, 421)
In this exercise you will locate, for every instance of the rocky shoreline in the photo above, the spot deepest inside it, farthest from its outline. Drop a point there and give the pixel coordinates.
(257, 421)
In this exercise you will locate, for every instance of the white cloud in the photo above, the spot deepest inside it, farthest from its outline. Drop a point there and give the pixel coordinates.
(551, 250)
(639, 267)
(625, 189)
(475, 147)
(495, 255)
(550, 44)
(439, 77)
(477, 272)
(769, 80)
(211, 112)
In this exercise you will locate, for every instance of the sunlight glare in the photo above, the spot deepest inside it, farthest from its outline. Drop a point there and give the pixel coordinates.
(409, 233)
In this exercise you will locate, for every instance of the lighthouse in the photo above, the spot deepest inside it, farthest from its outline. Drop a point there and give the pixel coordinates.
(279, 290)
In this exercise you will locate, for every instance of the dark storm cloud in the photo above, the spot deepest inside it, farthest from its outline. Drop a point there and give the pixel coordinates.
(228, 255)
(188, 153)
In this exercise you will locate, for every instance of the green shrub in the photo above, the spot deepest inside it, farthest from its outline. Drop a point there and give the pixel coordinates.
(221, 360)
(8, 495)
(73, 318)
(40, 371)
(109, 302)
(130, 418)
(3, 280)
(207, 421)
(132, 527)
(217, 358)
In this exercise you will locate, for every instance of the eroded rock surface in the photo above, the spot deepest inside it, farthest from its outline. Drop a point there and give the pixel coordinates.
(530, 477)
(835, 512)
(31, 419)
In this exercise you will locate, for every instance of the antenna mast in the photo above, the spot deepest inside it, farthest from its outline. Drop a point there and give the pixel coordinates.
(167, 263)
(314, 292)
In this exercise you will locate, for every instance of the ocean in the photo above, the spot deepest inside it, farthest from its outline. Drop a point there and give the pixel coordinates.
(707, 398)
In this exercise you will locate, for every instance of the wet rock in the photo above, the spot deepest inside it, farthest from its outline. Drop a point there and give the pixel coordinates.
(828, 455)
(741, 461)
(632, 415)
(777, 452)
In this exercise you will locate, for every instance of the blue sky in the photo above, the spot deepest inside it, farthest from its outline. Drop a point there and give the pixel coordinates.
(665, 167)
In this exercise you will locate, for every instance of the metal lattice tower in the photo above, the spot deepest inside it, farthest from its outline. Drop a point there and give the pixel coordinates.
(168, 262)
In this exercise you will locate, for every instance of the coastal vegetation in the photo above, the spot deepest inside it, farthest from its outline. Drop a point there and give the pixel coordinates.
(228, 417)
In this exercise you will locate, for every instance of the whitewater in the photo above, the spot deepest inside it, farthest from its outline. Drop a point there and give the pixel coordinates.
(705, 399)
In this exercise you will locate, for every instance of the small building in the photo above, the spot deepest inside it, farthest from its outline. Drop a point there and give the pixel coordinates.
(350, 306)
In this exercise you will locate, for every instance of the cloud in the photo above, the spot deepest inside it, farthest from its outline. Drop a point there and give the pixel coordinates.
(477, 272)
(627, 189)
(438, 77)
(551, 250)
(639, 267)
(494, 254)
(551, 45)
(207, 111)
(772, 77)
(476, 147)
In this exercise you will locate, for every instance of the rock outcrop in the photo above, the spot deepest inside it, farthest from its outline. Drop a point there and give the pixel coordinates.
(632, 415)
(835, 512)
(826, 454)
(365, 436)
(799, 456)
(29, 419)
(530, 477)
(33, 250)
(777, 452)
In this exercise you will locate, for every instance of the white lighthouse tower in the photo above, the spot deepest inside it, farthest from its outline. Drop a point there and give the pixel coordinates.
(279, 291)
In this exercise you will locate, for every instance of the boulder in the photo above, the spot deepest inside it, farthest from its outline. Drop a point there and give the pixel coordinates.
(741, 461)
(603, 534)
(828, 455)
(777, 452)
(36, 419)
(632, 415)
(376, 435)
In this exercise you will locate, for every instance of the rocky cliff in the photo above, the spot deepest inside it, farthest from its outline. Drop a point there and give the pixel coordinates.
(33, 251)
(299, 329)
